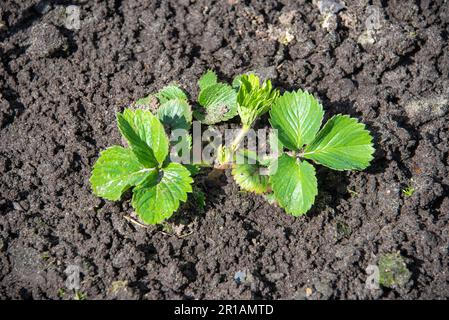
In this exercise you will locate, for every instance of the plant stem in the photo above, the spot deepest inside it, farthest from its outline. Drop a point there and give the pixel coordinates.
(239, 137)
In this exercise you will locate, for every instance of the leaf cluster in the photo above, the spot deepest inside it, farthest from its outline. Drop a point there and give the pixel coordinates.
(158, 185)
(287, 178)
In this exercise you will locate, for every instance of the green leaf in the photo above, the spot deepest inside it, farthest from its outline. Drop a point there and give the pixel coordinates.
(248, 176)
(342, 144)
(207, 79)
(219, 103)
(116, 170)
(276, 146)
(161, 193)
(175, 114)
(253, 99)
(170, 92)
(294, 184)
(297, 116)
(145, 135)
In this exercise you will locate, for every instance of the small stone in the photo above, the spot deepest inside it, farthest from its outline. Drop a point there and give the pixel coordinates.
(3, 26)
(25, 205)
(324, 289)
(240, 277)
(329, 6)
(138, 49)
(427, 109)
(366, 38)
(282, 35)
(275, 276)
(309, 292)
(17, 206)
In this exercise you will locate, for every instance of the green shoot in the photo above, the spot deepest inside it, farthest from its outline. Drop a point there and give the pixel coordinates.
(254, 99)
(409, 190)
(79, 295)
(159, 185)
(342, 144)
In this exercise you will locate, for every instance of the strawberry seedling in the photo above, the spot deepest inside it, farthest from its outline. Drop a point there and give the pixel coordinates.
(160, 184)
(342, 144)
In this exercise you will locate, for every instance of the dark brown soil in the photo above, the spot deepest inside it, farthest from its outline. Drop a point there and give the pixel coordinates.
(60, 89)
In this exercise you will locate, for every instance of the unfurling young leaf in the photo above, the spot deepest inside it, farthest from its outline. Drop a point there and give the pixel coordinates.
(342, 144)
(217, 99)
(253, 99)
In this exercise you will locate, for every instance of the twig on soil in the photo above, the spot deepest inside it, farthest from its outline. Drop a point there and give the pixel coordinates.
(179, 236)
(137, 223)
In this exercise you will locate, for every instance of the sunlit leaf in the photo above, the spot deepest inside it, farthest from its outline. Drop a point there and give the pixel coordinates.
(145, 135)
(116, 170)
(297, 116)
(161, 193)
(342, 144)
(294, 184)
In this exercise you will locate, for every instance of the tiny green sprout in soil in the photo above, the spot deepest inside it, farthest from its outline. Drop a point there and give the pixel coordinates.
(408, 191)
(159, 185)
(46, 256)
(79, 295)
(352, 192)
(61, 293)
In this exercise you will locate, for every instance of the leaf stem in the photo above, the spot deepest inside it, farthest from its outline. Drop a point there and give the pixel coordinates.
(239, 137)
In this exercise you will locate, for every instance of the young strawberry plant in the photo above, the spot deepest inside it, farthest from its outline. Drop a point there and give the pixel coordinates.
(159, 185)
(342, 144)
